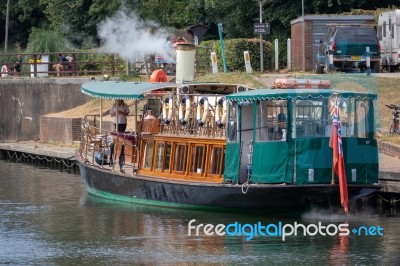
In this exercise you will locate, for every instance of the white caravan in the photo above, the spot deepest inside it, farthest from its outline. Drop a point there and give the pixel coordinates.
(389, 39)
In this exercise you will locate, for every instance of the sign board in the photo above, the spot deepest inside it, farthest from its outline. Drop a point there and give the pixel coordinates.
(261, 28)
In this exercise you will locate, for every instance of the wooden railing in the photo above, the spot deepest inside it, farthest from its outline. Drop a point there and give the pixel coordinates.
(82, 64)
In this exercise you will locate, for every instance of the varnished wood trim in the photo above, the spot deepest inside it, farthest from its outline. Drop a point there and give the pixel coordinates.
(189, 143)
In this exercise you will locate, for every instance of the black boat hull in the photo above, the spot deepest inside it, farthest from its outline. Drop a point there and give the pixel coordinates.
(105, 183)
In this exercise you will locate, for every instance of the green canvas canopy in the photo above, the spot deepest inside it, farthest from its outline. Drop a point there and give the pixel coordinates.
(278, 94)
(122, 90)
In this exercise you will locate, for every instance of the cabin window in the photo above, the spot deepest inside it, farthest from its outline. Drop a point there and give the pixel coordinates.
(310, 118)
(180, 158)
(345, 115)
(148, 154)
(155, 105)
(163, 156)
(354, 116)
(160, 156)
(167, 160)
(271, 120)
(197, 159)
(232, 123)
(216, 163)
(355, 121)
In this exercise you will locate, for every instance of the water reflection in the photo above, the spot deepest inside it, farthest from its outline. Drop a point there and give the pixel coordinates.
(47, 218)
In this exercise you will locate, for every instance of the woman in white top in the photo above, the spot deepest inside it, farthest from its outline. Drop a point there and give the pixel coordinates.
(120, 110)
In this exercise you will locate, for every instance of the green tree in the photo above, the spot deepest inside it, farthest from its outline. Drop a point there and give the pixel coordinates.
(78, 19)
(24, 14)
(46, 41)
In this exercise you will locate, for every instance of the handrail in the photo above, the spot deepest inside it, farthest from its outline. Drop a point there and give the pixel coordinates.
(95, 141)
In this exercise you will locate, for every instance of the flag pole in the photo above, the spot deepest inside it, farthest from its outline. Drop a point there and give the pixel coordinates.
(333, 158)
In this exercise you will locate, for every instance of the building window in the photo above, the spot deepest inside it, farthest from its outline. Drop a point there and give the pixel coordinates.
(384, 29)
(380, 33)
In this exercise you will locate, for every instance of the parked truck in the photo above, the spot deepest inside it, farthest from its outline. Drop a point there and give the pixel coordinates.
(389, 39)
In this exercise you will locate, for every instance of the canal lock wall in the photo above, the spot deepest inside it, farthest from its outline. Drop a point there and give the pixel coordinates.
(24, 101)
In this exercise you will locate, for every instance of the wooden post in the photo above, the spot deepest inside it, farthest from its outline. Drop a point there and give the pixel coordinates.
(135, 118)
(112, 64)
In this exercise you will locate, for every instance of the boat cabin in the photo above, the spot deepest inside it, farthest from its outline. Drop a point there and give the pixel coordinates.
(224, 133)
(279, 136)
(179, 129)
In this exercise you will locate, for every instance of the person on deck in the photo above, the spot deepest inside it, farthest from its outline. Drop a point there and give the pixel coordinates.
(119, 111)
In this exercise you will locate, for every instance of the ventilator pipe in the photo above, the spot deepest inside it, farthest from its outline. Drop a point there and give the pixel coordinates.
(184, 119)
(202, 118)
(220, 121)
(167, 116)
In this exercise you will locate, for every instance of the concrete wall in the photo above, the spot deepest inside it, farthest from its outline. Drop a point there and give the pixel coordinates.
(23, 101)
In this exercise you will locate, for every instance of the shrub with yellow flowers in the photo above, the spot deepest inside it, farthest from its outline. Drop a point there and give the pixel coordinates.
(32, 61)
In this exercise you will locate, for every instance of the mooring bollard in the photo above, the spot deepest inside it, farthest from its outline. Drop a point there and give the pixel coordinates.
(276, 54)
(368, 61)
(214, 63)
(247, 62)
(330, 61)
(289, 54)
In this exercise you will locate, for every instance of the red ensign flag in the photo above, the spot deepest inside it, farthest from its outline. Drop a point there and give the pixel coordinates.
(335, 143)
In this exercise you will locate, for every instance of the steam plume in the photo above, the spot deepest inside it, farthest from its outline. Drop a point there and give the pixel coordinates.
(130, 37)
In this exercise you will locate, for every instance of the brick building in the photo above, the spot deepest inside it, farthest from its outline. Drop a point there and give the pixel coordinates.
(313, 28)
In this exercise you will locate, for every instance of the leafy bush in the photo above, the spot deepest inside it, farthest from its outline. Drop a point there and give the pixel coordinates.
(99, 62)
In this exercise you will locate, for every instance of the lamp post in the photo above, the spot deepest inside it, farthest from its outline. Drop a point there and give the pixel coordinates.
(261, 41)
(6, 33)
(261, 3)
(303, 37)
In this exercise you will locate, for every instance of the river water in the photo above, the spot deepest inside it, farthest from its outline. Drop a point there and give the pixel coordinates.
(46, 218)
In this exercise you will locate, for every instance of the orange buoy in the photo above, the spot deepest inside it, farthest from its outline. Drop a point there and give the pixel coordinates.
(158, 76)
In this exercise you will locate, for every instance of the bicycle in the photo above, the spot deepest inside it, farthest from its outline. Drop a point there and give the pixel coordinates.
(394, 127)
